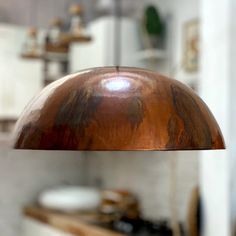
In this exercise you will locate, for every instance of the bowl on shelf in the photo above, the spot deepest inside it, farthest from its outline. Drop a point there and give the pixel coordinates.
(71, 199)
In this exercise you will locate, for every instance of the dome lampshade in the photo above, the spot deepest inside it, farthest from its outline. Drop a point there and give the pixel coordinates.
(117, 108)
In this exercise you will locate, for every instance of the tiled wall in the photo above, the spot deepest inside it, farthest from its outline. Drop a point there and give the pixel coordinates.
(147, 174)
(24, 174)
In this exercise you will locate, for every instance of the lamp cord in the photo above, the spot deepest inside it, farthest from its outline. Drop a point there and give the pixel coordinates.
(173, 196)
(117, 32)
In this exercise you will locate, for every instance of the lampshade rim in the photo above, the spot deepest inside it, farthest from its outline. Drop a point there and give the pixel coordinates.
(129, 150)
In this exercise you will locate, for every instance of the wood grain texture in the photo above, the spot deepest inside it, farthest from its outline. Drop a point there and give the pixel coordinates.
(75, 224)
(117, 108)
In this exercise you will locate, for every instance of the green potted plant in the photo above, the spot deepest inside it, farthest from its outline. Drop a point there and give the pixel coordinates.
(153, 27)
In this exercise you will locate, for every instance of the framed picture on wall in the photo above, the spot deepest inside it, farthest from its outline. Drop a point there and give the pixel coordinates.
(191, 46)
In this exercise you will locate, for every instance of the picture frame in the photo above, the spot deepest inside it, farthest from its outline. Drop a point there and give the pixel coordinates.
(191, 46)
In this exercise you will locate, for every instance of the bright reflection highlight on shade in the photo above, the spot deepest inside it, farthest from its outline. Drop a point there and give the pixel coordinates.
(116, 84)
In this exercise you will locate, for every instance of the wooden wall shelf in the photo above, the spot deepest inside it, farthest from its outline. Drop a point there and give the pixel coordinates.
(56, 53)
(31, 56)
(151, 54)
(76, 224)
(57, 48)
(67, 39)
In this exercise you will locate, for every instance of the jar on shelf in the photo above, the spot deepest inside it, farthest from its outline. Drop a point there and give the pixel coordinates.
(55, 31)
(76, 24)
(31, 46)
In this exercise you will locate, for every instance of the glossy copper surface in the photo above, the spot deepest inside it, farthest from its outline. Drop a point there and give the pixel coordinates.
(117, 108)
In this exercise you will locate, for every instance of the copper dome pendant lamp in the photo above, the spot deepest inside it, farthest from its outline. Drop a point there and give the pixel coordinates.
(117, 108)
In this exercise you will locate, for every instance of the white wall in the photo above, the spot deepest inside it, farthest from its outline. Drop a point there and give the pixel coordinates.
(216, 83)
(232, 139)
(20, 79)
(182, 12)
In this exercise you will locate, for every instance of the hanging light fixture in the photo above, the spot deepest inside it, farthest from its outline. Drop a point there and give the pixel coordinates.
(117, 108)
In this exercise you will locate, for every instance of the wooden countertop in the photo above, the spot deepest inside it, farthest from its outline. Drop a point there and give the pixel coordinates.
(78, 224)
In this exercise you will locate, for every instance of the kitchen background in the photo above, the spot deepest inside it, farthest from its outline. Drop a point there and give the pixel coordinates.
(24, 174)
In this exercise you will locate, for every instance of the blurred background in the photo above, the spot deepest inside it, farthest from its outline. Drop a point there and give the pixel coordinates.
(141, 193)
